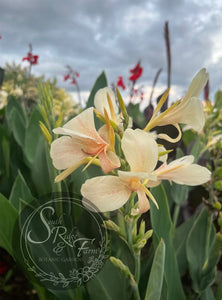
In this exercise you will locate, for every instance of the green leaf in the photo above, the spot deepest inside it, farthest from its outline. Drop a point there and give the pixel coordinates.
(163, 228)
(218, 99)
(100, 83)
(203, 251)
(20, 192)
(14, 104)
(8, 216)
(180, 238)
(6, 154)
(155, 282)
(207, 295)
(17, 125)
(108, 284)
(33, 136)
(41, 169)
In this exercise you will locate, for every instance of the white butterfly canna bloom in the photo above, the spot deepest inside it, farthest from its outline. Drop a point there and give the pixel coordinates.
(141, 151)
(109, 193)
(187, 111)
(182, 171)
(81, 140)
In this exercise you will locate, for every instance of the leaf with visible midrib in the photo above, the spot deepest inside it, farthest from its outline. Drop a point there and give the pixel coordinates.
(155, 282)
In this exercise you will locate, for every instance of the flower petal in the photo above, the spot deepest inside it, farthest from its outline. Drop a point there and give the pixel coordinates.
(197, 84)
(144, 204)
(107, 193)
(101, 102)
(109, 161)
(81, 126)
(188, 112)
(65, 152)
(182, 171)
(140, 150)
(125, 175)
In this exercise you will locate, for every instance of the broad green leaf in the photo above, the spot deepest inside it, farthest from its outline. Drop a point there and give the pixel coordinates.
(163, 228)
(8, 216)
(203, 250)
(207, 294)
(100, 83)
(155, 282)
(17, 125)
(42, 169)
(179, 240)
(108, 284)
(218, 99)
(33, 136)
(6, 154)
(20, 192)
(14, 104)
(138, 117)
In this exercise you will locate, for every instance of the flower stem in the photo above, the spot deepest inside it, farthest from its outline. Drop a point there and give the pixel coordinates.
(137, 269)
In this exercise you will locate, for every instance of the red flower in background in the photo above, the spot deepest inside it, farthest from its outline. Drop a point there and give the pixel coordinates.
(32, 59)
(136, 72)
(120, 83)
(73, 81)
(77, 74)
(66, 77)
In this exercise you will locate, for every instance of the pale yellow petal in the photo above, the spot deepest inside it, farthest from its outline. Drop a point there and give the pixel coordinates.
(140, 150)
(107, 193)
(197, 84)
(140, 175)
(65, 152)
(109, 161)
(182, 171)
(83, 125)
(144, 204)
(101, 102)
(188, 112)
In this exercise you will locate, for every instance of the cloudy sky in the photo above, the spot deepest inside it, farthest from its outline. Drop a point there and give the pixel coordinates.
(112, 35)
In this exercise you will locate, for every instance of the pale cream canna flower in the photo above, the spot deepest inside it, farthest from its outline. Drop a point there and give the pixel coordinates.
(182, 171)
(81, 143)
(105, 99)
(187, 111)
(109, 193)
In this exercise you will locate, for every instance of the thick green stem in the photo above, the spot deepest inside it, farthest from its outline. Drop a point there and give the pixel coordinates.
(136, 293)
(137, 268)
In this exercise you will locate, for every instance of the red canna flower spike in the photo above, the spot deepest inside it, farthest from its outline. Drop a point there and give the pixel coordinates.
(34, 59)
(120, 83)
(66, 77)
(136, 68)
(136, 75)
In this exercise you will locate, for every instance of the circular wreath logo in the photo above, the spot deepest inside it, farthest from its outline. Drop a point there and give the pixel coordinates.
(62, 243)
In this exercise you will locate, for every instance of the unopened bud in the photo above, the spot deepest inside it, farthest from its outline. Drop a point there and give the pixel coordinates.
(123, 268)
(217, 205)
(45, 132)
(112, 226)
(218, 185)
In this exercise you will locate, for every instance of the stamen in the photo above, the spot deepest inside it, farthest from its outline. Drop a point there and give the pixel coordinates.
(112, 112)
(148, 193)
